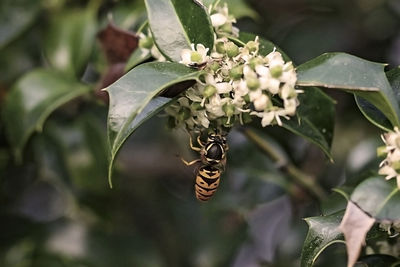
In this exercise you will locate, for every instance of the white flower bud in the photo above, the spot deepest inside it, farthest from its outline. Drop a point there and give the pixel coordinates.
(273, 85)
(239, 83)
(274, 59)
(287, 92)
(288, 77)
(223, 88)
(218, 19)
(261, 102)
(262, 70)
(215, 106)
(290, 106)
(254, 95)
(241, 88)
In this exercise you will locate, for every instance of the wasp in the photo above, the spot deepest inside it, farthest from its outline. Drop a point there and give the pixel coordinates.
(213, 159)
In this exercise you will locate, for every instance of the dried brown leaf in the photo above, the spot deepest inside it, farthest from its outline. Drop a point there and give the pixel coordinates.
(355, 226)
(118, 44)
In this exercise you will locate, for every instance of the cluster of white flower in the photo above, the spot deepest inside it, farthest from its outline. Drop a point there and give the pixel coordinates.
(390, 166)
(238, 85)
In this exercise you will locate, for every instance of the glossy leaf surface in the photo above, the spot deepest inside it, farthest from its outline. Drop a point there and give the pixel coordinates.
(70, 40)
(394, 80)
(34, 97)
(379, 198)
(131, 98)
(323, 231)
(315, 119)
(361, 77)
(176, 24)
(373, 114)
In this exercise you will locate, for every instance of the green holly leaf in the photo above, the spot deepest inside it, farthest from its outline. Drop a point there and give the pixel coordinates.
(32, 99)
(139, 56)
(70, 39)
(379, 198)
(176, 24)
(323, 232)
(374, 115)
(315, 119)
(133, 99)
(363, 78)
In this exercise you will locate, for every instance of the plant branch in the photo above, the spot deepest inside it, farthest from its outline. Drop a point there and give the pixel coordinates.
(298, 176)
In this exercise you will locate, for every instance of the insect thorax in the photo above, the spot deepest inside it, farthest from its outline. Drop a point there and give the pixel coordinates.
(214, 150)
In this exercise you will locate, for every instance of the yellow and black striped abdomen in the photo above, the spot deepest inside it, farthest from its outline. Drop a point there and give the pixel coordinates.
(207, 181)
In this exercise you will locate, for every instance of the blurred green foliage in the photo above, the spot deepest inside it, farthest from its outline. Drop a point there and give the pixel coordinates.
(56, 208)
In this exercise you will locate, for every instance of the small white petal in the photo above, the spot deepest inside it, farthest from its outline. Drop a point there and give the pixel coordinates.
(210, 79)
(218, 19)
(273, 85)
(255, 95)
(262, 70)
(248, 72)
(286, 91)
(290, 106)
(202, 50)
(278, 120)
(186, 55)
(267, 118)
(235, 30)
(261, 103)
(223, 88)
(288, 77)
(240, 88)
(275, 59)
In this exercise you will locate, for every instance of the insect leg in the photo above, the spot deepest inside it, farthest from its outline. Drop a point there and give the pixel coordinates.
(190, 163)
(191, 144)
(199, 141)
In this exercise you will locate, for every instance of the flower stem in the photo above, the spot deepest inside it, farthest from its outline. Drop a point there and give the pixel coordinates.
(298, 176)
